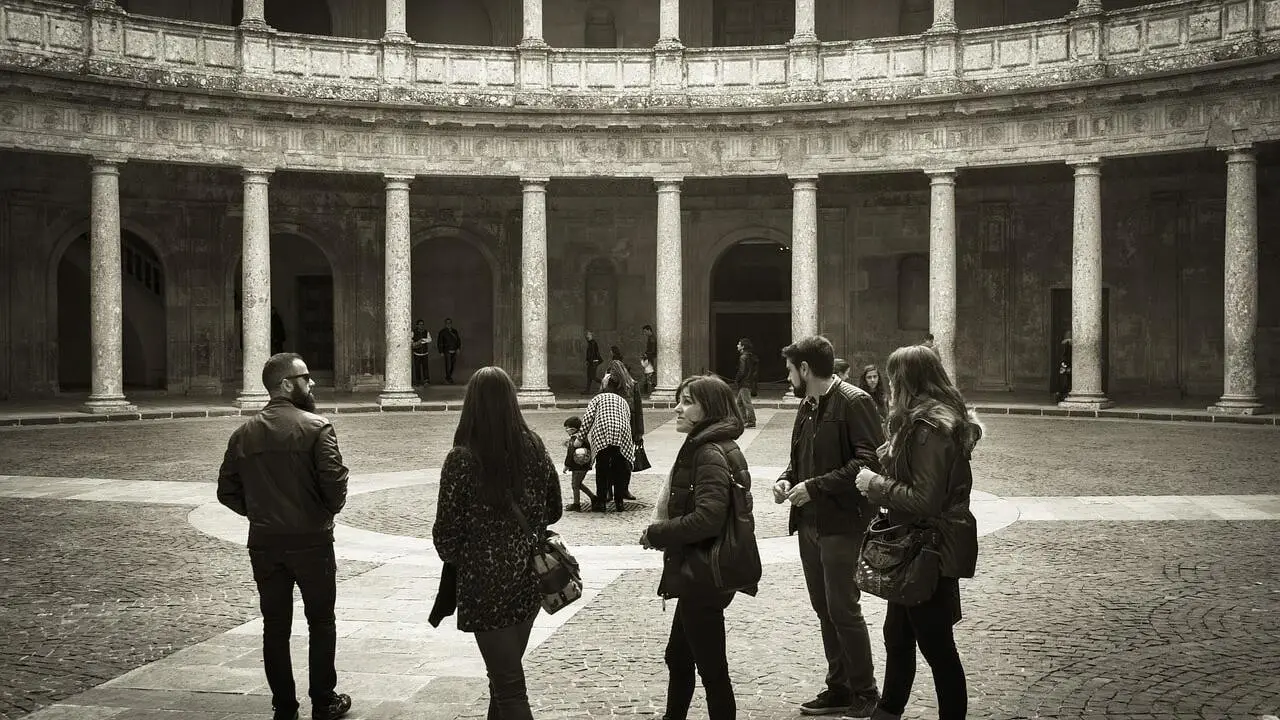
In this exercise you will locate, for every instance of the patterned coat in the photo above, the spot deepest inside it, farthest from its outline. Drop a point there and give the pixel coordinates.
(607, 421)
(496, 588)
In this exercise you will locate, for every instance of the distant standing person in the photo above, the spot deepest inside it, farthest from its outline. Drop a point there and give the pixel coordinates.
(421, 354)
(842, 369)
(283, 470)
(873, 385)
(278, 335)
(607, 423)
(449, 342)
(593, 360)
(1064, 369)
(746, 381)
(928, 341)
(617, 379)
(651, 346)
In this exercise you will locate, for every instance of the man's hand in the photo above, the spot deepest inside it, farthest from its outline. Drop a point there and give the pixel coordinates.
(799, 494)
(780, 489)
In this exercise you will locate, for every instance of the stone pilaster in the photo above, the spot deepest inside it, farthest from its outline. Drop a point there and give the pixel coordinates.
(944, 16)
(942, 265)
(533, 293)
(1086, 290)
(395, 25)
(254, 15)
(255, 288)
(669, 292)
(804, 256)
(669, 25)
(1240, 287)
(398, 289)
(532, 17)
(106, 297)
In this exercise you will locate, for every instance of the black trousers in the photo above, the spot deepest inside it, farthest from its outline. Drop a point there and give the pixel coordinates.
(928, 626)
(612, 471)
(830, 563)
(421, 369)
(697, 643)
(450, 360)
(591, 374)
(503, 653)
(314, 570)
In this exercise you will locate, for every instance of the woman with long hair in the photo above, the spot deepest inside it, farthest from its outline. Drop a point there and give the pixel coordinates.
(608, 424)
(874, 386)
(496, 465)
(927, 482)
(689, 517)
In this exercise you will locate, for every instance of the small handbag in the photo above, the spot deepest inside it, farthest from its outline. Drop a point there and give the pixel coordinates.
(899, 563)
(642, 460)
(559, 577)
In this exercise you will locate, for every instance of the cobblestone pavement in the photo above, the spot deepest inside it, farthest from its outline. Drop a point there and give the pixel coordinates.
(1065, 620)
(94, 589)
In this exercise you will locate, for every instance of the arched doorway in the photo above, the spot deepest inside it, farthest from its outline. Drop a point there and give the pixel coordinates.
(302, 304)
(453, 278)
(145, 337)
(751, 298)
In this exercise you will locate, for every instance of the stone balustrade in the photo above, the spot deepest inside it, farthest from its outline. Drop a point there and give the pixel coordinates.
(38, 35)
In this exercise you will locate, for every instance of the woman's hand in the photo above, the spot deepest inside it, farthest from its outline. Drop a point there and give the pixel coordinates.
(644, 540)
(863, 480)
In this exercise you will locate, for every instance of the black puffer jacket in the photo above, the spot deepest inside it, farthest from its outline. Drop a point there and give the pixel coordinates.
(698, 507)
(929, 481)
(283, 470)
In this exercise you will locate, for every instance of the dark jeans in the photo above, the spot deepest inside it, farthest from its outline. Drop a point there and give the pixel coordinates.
(830, 563)
(745, 407)
(612, 471)
(503, 653)
(697, 642)
(421, 369)
(450, 361)
(929, 626)
(591, 374)
(314, 570)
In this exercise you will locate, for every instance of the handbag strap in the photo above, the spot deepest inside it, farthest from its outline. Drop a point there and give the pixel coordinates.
(520, 518)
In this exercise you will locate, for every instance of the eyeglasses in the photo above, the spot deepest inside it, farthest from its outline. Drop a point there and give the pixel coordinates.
(304, 376)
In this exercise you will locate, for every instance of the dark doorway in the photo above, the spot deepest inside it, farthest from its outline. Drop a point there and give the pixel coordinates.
(751, 298)
(753, 22)
(1060, 325)
(315, 321)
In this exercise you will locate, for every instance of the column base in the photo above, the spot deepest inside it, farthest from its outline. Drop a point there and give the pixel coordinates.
(252, 401)
(109, 405)
(255, 25)
(536, 397)
(661, 395)
(397, 37)
(1237, 405)
(398, 398)
(1084, 401)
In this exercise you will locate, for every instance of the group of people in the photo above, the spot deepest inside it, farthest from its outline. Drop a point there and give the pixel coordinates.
(448, 344)
(746, 382)
(609, 436)
(283, 470)
(648, 379)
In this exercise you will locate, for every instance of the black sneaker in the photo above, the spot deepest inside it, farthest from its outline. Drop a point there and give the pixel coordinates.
(862, 708)
(827, 703)
(284, 714)
(338, 706)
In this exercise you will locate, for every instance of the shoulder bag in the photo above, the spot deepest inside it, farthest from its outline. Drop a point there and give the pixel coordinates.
(899, 563)
(559, 577)
(732, 562)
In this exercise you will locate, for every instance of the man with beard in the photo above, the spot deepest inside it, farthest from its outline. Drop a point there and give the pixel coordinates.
(836, 433)
(283, 470)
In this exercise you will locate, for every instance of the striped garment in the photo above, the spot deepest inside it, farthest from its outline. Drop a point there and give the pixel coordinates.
(607, 421)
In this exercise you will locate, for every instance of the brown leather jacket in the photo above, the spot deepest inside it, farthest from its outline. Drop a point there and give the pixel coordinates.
(848, 434)
(929, 482)
(283, 470)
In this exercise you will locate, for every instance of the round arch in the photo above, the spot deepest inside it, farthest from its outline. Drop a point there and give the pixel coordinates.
(306, 307)
(757, 305)
(145, 298)
(456, 274)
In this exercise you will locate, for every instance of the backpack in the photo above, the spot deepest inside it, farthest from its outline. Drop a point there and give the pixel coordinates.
(732, 561)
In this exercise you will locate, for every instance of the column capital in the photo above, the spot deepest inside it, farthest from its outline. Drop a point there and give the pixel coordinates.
(534, 184)
(1242, 152)
(668, 183)
(256, 175)
(803, 182)
(398, 182)
(941, 175)
(109, 6)
(106, 164)
(1086, 165)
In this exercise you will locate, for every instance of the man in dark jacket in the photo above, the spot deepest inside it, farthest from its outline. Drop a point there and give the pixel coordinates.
(593, 361)
(836, 434)
(449, 342)
(745, 382)
(283, 470)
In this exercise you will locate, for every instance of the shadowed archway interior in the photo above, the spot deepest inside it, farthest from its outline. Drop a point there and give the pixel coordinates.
(751, 298)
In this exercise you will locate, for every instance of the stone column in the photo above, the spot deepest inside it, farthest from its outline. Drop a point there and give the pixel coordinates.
(533, 294)
(254, 15)
(1240, 287)
(398, 291)
(532, 24)
(804, 256)
(1086, 290)
(669, 292)
(669, 24)
(944, 16)
(395, 31)
(942, 265)
(255, 288)
(106, 322)
(805, 22)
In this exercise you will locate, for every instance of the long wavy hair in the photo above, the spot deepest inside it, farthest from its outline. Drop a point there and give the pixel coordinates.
(494, 430)
(620, 380)
(877, 393)
(920, 387)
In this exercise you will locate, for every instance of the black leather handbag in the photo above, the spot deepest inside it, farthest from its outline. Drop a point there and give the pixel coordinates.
(642, 460)
(899, 563)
